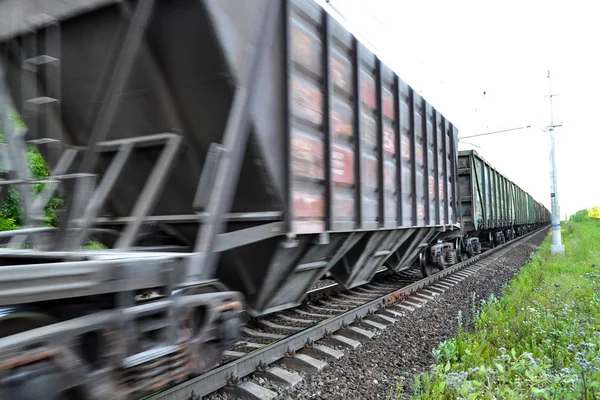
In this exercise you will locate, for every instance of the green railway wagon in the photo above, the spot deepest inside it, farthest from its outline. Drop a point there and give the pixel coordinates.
(530, 209)
(492, 207)
(487, 196)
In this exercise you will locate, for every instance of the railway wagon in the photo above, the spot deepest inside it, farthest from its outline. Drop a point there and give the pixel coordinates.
(331, 165)
(226, 152)
(493, 209)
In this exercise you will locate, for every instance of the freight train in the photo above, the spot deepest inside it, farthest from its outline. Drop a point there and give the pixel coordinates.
(228, 154)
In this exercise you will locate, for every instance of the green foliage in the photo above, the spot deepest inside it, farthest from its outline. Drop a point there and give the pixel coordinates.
(583, 215)
(397, 390)
(37, 167)
(17, 120)
(594, 212)
(7, 224)
(11, 210)
(12, 214)
(579, 216)
(540, 340)
(52, 213)
(94, 245)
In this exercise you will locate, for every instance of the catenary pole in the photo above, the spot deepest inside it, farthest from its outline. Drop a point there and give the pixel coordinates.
(557, 246)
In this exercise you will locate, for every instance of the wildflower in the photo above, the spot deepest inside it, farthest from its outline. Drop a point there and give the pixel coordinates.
(455, 379)
(530, 358)
(588, 346)
(582, 362)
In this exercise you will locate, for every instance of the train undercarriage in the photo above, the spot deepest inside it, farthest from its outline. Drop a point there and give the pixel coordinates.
(453, 248)
(134, 331)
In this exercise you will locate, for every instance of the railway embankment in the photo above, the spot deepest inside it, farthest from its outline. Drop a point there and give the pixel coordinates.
(540, 339)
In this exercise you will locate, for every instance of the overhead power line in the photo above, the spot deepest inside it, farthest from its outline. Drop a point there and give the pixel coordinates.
(494, 132)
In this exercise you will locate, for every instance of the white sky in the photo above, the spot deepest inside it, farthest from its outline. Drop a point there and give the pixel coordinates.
(454, 51)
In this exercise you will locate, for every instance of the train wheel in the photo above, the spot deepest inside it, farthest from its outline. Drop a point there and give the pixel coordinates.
(209, 345)
(491, 240)
(427, 269)
(31, 380)
(460, 251)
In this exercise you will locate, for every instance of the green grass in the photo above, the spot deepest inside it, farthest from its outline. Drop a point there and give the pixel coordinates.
(540, 340)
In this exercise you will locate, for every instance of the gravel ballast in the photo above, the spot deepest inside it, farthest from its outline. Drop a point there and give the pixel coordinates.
(405, 349)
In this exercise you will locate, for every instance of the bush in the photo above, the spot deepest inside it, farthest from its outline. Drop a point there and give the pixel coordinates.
(594, 212)
(7, 224)
(94, 245)
(12, 214)
(579, 216)
(583, 215)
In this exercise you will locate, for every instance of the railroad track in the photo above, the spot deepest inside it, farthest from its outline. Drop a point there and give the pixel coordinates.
(334, 319)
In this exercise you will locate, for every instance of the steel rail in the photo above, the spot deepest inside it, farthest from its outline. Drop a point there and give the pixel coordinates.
(221, 376)
(328, 290)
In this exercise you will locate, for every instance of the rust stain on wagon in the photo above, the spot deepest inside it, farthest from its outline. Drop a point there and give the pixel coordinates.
(308, 205)
(431, 187)
(305, 50)
(369, 130)
(340, 75)
(343, 207)
(389, 140)
(308, 101)
(406, 148)
(388, 105)
(442, 187)
(367, 90)
(419, 154)
(342, 165)
(340, 123)
(307, 156)
(420, 212)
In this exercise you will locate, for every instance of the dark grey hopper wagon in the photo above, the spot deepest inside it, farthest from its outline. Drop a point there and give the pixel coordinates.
(330, 162)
